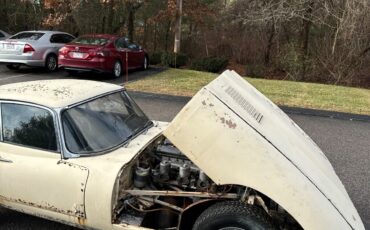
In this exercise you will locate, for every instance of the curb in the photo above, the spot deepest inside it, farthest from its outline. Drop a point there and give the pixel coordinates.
(286, 109)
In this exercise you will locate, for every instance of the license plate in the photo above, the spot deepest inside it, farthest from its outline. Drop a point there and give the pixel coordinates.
(10, 46)
(77, 55)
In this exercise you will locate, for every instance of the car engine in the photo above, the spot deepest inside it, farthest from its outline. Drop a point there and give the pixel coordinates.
(157, 187)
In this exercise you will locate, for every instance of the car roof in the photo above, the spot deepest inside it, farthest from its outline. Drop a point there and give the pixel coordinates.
(107, 36)
(55, 93)
(48, 32)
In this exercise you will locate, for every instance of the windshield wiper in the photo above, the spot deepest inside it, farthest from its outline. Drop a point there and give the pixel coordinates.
(136, 131)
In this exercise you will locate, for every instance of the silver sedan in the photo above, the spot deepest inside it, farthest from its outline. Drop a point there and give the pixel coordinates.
(33, 48)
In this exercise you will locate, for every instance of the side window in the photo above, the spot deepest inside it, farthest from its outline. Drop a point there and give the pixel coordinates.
(2, 35)
(121, 43)
(67, 38)
(29, 126)
(60, 38)
(133, 46)
(54, 38)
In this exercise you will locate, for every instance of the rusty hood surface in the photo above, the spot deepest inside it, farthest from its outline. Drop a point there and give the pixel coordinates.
(238, 136)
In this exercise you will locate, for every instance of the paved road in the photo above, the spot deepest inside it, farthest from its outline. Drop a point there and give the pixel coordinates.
(346, 144)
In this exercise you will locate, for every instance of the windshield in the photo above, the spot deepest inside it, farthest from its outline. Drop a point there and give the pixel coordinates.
(102, 124)
(28, 36)
(91, 41)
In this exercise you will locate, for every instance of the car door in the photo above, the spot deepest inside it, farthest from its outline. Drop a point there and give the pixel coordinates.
(33, 179)
(137, 55)
(125, 53)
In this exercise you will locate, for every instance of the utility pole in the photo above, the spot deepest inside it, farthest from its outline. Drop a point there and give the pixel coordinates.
(178, 26)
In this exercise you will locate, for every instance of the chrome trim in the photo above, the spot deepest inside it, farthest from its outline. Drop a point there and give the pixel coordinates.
(65, 152)
(93, 98)
(53, 113)
(68, 154)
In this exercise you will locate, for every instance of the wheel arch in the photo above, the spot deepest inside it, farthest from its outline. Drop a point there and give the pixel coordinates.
(48, 53)
(191, 213)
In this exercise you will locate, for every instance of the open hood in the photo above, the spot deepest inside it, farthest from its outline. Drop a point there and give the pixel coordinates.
(238, 136)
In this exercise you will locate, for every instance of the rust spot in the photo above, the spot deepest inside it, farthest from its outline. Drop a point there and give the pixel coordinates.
(81, 221)
(47, 206)
(229, 123)
(204, 103)
(210, 104)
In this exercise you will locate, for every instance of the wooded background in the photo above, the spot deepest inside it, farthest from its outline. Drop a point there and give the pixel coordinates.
(304, 40)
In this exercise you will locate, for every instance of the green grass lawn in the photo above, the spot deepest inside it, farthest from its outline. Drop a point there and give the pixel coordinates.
(296, 94)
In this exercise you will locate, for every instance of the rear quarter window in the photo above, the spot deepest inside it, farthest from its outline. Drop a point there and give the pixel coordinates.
(28, 36)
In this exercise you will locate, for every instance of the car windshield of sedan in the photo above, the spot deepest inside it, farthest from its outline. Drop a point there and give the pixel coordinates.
(102, 124)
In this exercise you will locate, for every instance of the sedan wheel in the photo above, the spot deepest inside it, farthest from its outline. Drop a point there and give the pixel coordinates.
(51, 63)
(117, 69)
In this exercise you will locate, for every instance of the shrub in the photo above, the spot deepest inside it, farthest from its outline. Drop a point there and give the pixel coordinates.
(256, 70)
(168, 59)
(155, 57)
(210, 64)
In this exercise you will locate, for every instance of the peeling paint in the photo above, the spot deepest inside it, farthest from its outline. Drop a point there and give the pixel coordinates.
(46, 206)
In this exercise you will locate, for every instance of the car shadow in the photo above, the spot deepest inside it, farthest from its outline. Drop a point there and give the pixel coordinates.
(133, 75)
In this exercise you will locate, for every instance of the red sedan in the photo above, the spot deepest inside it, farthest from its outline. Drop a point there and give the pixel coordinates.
(102, 53)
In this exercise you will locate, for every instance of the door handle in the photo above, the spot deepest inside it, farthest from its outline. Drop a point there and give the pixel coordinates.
(5, 160)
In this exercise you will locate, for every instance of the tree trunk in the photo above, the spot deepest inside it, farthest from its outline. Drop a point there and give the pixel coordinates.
(305, 38)
(109, 26)
(130, 24)
(270, 43)
(155, 37)
(167, 36)
(176, 48)
(145, 38)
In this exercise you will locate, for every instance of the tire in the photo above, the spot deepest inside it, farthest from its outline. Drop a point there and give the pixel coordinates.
(146, 63)
(233, 215)
(51, 62)
(13, 66)
(117, 69)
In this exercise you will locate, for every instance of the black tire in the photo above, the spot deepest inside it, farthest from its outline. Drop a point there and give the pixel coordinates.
(51, 62)
(13, 66)
(233, 215)
(117, 69)
(145, 63)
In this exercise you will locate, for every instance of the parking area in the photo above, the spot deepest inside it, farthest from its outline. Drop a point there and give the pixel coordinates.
(30, 74)
(346, 143)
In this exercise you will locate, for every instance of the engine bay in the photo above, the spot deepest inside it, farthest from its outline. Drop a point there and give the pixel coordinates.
(157, 187)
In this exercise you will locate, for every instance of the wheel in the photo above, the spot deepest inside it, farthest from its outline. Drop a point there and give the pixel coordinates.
(117, 69)
(145, 63)
(233, 215)
(13, 66)
(51, 62)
